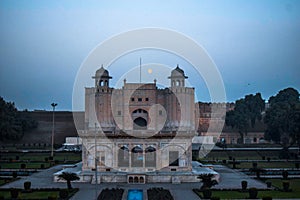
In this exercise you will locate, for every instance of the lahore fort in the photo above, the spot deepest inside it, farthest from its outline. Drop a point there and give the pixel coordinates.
(139, 133)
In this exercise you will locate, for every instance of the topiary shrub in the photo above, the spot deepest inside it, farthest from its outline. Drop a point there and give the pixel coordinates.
(27, 185)
(14, 193)
(215, 198)
(286, 186)
(52, 198)
(269, 184)
(267, 198)
(14, 175)
(63, 194)
(42, 166)
(244, 185)
(285, 174)
(23, 166)
(253, 193)
(207, 193)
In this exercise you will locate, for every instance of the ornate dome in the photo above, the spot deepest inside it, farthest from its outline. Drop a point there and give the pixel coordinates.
(178, 72)
(102, 72)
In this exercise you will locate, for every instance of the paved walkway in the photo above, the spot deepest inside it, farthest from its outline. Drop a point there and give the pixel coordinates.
(232, 179)
(229, 179)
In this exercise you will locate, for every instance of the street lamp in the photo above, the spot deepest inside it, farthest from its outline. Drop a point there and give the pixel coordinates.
(96, 160)
(52, 138)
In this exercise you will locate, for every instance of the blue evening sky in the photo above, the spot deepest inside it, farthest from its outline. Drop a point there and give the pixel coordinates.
(255, 44)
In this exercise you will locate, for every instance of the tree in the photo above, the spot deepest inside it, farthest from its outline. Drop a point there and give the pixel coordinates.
(246, 111)
(13, 123)
(67, 176)
(283, 119)
(207, 181)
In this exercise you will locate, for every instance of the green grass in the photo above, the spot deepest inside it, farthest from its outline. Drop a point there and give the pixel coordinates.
(294, 185)
(33, 195)
(266, 165)
(60, 156)
(17, 165)
(241, 155)
(36, 194)
(38, 158)
(2, 182)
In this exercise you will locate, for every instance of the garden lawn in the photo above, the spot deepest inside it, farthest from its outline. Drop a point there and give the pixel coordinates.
(32, 195)
(265, 164)
(294, 185)
(36, 194)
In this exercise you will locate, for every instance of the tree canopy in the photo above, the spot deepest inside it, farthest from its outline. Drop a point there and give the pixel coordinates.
(67, 176)
(13, 123)
(247, 110)
(283, 117)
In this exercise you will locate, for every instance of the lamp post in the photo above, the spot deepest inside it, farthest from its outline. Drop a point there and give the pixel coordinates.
(96, 160)
(53, 123)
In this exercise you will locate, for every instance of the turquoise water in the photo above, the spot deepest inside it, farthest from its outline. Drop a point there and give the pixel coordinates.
(135, 195)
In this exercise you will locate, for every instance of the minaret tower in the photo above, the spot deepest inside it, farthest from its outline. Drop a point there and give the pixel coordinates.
(102, 78)
(177, 77)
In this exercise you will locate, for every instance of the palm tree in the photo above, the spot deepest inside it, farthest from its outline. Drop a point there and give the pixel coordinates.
(67, 176)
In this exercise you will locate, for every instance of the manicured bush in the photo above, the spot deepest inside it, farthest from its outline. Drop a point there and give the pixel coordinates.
(286, 186)
(14, 175)
(297, 165)
(267, 198)
(42, 166)
(285, 174)
(215, 198)
(116, 194)
(253, 193)
(63, 194)
(254, 164)
(207, 193)
(244, 185)
(269, 159)
(52, 198)
(269, 184)
(23, 166)
(14, 193)
(27, 185)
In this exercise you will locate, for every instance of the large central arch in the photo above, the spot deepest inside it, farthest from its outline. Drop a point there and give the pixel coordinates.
(140, 119)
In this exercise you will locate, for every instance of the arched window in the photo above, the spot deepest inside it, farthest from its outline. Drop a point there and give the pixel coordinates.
(137, 156)
(150, 157)
(123, 156)
(178, 83)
